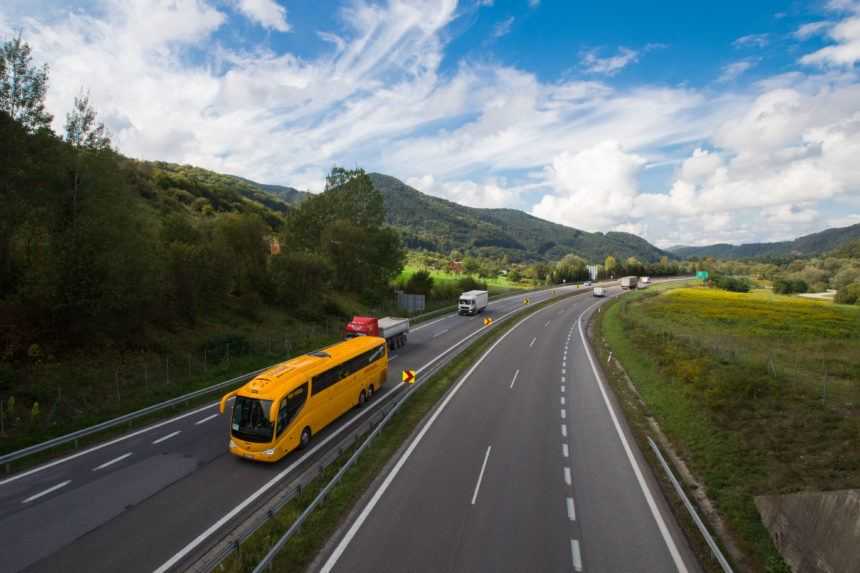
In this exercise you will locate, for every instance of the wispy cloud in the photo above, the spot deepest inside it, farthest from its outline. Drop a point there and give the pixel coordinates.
(811, 29)
(752, 41)
(732, 71)
(267, 13)
(503, 27)
(611, 65)
(845, 35)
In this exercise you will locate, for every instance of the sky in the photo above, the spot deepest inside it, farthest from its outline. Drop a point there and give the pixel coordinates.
(686, 123)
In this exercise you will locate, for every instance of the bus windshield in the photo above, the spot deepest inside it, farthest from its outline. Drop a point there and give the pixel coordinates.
(251, 419)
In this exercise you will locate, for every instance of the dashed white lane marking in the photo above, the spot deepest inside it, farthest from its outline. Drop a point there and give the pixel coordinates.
(564, 430)
(571, 510)
(563, 379)
(567, 479)
(206, 419)
(113, 461)
(562, 400)
(393, 357)
(167, 437)
(517, 373)
(47, 491)
(481, 475)
(532, 343)
(564, 371)
(440, 333)
(547, 323)
(562, 387)
(564, 363)
(575, 555)
(564, 450)
(563, 414)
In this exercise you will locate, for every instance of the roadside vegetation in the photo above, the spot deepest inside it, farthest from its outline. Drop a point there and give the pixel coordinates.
(758, 392)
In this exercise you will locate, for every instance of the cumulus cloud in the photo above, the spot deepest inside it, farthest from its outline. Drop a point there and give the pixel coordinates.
(491, 193)
(752, 41)
(267, 13)
(611, 65)
(845, 34)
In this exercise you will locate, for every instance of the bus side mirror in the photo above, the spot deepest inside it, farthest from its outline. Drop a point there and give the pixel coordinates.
(222, 405)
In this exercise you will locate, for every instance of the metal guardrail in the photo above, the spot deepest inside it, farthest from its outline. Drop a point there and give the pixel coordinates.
(709, 539)
(112, 423)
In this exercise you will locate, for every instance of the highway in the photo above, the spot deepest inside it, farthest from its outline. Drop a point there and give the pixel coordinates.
(159, 496)
(526, 465)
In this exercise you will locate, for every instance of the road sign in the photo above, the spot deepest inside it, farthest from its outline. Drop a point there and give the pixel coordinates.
(702, 275)
(488, 321)
(409, 376)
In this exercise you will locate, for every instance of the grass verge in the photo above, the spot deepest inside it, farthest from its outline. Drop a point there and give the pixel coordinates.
(737, 382)
(301, 549)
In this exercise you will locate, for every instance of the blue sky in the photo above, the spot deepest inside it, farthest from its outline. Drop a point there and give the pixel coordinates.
(686, 123)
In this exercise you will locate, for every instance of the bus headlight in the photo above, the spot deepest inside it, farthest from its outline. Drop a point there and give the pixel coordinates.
(232, 444)
(269, 452)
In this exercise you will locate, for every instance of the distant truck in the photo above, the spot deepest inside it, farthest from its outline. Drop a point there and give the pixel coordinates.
(645, 280)
(393, 330)
(629, 282)
(473, 302)
(598, 292)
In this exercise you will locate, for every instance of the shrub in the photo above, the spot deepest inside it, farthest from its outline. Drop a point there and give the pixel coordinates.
(733, 284)
(789, 286)
(848, 295)
(470, 283)
(420, 283)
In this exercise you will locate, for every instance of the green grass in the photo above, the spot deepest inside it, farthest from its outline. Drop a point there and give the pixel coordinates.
(494, 283)
(301, 549)
(737, 382)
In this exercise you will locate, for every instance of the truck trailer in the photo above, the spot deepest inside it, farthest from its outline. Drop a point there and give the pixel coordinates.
(473, 302)
(394, 330)
(629, 282)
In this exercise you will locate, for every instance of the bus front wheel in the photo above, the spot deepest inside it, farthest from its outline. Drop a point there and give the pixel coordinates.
(362, 398)
(305, 439)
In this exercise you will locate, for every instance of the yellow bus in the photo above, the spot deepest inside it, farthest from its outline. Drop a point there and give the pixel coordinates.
(283, 407)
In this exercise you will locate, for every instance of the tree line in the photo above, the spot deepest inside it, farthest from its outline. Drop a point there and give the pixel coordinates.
(95, 249)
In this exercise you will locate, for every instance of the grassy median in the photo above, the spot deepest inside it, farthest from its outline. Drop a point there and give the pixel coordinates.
(303, 547)
(759, 393)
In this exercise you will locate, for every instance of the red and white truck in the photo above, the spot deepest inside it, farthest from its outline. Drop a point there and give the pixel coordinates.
(393, 330)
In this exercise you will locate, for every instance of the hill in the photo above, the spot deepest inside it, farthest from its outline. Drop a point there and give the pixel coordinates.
(805, 246)
(435, 224)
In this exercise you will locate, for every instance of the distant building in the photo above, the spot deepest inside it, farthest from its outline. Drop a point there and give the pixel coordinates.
(592, 271)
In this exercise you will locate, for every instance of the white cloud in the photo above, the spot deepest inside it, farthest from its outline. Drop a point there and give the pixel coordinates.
(811, 29)
(611, 65)
(503, 27)
(845, 34)
(488, 194)
(732, 71)
(267, 13)
(752, 41)
(534, 3)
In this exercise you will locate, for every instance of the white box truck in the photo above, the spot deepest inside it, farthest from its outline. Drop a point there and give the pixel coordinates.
(473, 302)
(599, 292)
(629, 282)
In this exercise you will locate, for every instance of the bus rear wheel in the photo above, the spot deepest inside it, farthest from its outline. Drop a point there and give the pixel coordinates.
(305, 439)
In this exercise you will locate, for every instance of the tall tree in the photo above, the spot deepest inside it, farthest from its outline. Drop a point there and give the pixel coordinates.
(609, 265)
(82, 129)
(23, 86)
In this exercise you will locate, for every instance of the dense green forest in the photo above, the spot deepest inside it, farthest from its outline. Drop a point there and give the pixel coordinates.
(806, 246)
(438, 225)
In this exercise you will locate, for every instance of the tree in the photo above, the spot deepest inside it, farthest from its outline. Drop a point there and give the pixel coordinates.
(23, 86)
(82, 131)
(664, 262)
(420, 282)
(609, 265)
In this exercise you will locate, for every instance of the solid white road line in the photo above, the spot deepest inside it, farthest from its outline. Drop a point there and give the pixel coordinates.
(517, 373)
(571, 510)
(47, 491)
(563, 414)
(532, 343)
(564, 430)
(567, 479)
(386, 483)
(167, 437)
(575, 555)
(649, 498)
(441, 332)
(112, 462)
(206, 419)
(481, 475)
(106, 444)
(564, 450)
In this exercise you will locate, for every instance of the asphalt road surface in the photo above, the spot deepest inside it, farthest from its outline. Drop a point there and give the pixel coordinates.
(148, 500)
(526, 466)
